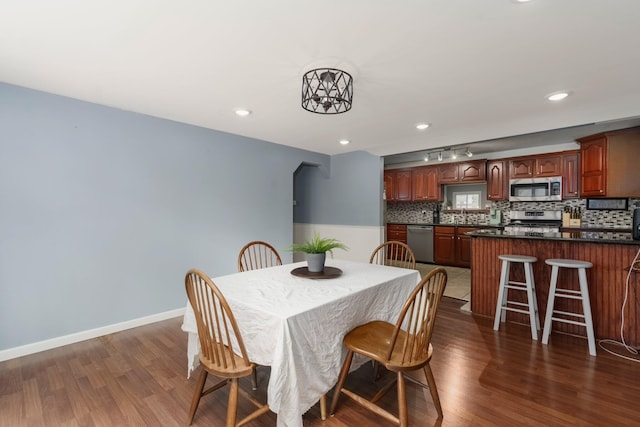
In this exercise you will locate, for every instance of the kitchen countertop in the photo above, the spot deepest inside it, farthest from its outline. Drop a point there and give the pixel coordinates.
(577, 236)
(445, 225)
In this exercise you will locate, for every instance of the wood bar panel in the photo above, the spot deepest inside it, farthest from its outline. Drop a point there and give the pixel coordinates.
(607, 282)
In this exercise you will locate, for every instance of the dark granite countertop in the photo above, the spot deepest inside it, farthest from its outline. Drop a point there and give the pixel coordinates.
(577, 236)
(446, 225)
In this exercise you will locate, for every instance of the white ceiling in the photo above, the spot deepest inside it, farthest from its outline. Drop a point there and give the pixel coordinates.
(476, 70)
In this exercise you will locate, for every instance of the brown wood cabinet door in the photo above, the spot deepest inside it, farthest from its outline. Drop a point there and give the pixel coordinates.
(472, 171)
(548, 166)
(570, 176)
(497, 180)
(420, 183)
(397, 232)
(403, 185)
(464, 251)
(434, 189)
(444, 246)
(448, 173)
(521, 168)
(593, 167)
(389, 178)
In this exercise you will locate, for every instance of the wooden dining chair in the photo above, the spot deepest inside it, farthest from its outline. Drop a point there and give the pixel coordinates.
(399, 350)
(257, 254)
(394, 253)
(217, 332)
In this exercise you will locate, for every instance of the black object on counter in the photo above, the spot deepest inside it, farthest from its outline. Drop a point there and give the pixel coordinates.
(436, 215)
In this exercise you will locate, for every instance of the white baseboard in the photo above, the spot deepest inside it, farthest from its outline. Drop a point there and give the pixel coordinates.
(39, 346)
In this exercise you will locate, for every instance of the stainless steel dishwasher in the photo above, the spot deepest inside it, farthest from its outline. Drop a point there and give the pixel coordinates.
(420, 240)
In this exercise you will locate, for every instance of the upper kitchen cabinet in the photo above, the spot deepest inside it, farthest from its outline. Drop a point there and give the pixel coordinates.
(497, 180)
(466, 172)
(536, 166)
(425, 184)
(548, 166)
(397, 185)
(608, 164)
(571, 175)
(521, 168)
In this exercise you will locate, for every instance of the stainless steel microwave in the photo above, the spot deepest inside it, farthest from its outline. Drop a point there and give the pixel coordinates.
(535, 189)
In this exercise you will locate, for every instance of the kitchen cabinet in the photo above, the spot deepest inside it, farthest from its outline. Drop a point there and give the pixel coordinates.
(463, 246)
(570, 175)
(397, 185)
(497, 181)
(397, 232)
(548, 166)
(608, 164)
(466, 172)
(444, 245)
(452, 246)
(521, 168)
(425, 185)
(536, 166)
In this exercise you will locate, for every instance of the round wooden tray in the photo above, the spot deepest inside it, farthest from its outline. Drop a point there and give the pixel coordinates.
(328, 273)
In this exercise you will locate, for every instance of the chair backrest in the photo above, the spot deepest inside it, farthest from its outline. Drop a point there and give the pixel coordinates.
(257, 254)
(394, 253)
(217, 328)
(417, 318)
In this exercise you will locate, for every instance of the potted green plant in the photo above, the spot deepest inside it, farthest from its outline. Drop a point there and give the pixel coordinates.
(316, 250)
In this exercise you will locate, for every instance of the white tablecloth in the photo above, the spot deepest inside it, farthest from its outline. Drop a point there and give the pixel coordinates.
(296, 325)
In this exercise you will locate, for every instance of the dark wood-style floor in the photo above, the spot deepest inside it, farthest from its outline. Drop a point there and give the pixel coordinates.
(485, 378)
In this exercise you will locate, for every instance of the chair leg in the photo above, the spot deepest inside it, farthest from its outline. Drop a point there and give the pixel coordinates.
(433, 389)
(254, 379)
(197, 394)
(232, 407)
(402, 401)
(343, 377)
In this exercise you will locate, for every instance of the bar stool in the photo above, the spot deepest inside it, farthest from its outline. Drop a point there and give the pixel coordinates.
(528, 286)
(582, 294)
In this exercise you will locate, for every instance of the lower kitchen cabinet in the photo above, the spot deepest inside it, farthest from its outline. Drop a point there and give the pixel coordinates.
(444, 245)
(397, 232)
(452, 246)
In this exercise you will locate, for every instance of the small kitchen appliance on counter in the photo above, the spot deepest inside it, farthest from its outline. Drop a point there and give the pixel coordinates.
(495, 216)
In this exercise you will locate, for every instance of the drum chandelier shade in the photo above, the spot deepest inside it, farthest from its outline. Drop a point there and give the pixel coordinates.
(327, 91)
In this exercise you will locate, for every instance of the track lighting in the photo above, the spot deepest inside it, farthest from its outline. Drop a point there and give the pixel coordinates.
(440, 156)
(454, 155)
(468, 153)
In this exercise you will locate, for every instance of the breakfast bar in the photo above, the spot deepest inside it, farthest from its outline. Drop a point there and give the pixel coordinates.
(612, 280)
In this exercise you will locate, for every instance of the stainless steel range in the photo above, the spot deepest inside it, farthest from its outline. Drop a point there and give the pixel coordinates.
(537, 222)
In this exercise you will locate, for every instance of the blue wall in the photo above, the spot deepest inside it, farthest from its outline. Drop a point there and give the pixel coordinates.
(103, 211)
(350, 195)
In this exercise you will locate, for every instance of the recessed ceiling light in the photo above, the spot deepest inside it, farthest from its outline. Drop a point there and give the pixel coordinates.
(557, 96)
(520, 1)
(344, 141)
(422, 126)
(242, 112)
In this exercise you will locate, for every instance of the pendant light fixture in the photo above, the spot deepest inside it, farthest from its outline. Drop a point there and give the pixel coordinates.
(327, 91)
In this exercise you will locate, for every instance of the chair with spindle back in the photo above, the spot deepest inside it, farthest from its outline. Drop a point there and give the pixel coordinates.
(218, 332)
(257, 254)
(399, 350)
(394, 253)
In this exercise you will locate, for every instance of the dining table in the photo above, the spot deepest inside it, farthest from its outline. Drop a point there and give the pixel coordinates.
(295, 323)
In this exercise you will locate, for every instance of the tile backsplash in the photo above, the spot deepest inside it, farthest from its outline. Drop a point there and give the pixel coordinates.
(422, 212)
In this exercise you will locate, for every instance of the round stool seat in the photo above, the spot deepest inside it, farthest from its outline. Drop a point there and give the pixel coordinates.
(569, 263)
(518, 258)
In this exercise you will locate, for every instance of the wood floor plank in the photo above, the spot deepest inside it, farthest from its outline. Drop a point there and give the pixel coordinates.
(485, 378)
